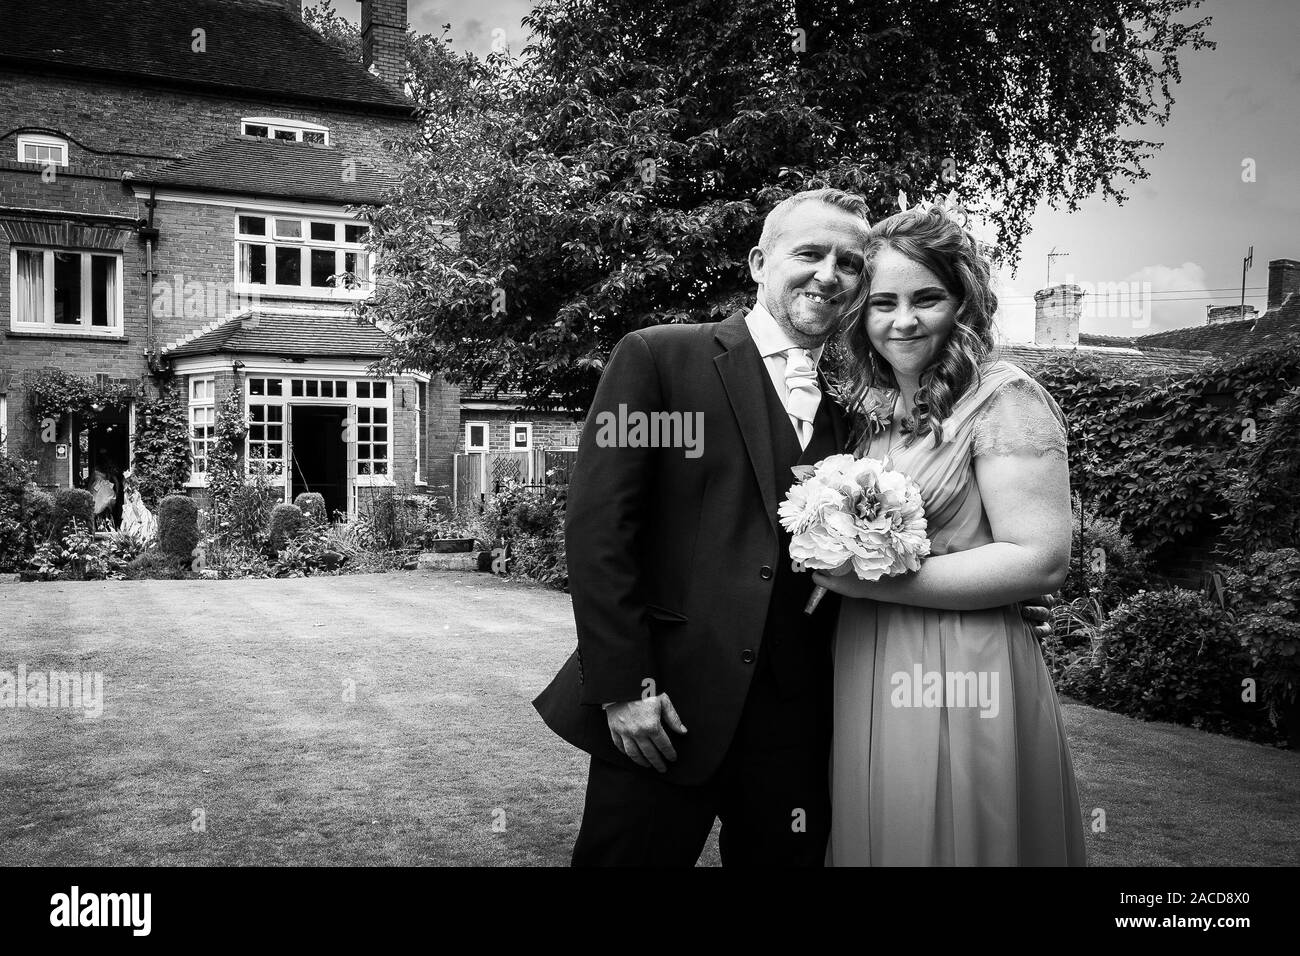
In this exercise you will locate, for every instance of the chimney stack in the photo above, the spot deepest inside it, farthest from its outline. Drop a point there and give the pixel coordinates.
(1056, 316)
(383, 40)
(1214, 314)
(1283, 279)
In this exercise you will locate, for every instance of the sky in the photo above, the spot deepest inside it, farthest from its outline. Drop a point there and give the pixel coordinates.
(1177, 244)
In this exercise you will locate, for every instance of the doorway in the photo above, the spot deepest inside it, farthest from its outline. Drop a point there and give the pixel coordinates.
(101, 452)
(320, 461)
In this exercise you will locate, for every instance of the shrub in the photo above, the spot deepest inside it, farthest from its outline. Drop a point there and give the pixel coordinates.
(39, 513)
(1105, 564)
(72, 504)
(1264, 593)
(1174, 655)
(178, 526)
(15, 532)
(312, 505)
(286, 522)
(154, 564)
(77, 556)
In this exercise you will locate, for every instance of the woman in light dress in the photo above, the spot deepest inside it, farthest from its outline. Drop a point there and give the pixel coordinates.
(949, 747)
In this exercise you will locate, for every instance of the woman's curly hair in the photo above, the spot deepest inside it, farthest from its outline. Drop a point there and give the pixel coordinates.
(935, 240)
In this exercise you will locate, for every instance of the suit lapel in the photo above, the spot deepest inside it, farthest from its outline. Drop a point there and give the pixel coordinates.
(745, 380)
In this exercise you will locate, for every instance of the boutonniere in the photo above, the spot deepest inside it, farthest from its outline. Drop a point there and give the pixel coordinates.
(880, 411)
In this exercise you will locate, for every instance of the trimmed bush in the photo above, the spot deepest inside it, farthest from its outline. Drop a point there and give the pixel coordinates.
(178, 526)
(72, 504)
(1175, 655)
(39, 513)
(312, 505)
(286, 522)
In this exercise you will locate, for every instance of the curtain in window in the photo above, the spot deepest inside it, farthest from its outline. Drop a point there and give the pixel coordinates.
(31, 286)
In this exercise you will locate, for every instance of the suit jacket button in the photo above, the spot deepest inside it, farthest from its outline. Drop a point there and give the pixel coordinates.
(765, 573)
(747, 656)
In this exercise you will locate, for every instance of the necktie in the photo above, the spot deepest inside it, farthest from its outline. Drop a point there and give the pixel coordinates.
(805, 396)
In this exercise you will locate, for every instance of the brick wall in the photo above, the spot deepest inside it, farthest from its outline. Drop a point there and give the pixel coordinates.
(550, 429)
(121, 127)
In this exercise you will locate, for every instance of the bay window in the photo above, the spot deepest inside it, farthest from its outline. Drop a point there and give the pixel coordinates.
(303, 256)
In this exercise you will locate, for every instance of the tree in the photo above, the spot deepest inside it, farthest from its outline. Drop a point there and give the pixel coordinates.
(616, 175)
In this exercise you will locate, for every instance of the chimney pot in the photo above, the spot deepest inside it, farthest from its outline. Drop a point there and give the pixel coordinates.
(1214, 314)
(1057, 311)
(1283, 279)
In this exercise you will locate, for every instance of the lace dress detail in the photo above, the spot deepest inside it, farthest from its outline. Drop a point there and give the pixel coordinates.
(1020, 418)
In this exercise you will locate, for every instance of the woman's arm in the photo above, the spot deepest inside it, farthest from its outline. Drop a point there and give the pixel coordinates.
(1027, 500)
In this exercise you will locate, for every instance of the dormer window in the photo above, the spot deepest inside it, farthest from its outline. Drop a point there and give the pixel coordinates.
(294, 131)
(46, 150)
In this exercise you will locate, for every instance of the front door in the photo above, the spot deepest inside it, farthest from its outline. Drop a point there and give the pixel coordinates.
(320, 453)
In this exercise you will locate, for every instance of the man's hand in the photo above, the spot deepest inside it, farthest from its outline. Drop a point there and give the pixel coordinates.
(1039, 615)
(638, 730)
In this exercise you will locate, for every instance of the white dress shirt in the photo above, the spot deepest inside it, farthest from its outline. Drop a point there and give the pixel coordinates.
(772, 343)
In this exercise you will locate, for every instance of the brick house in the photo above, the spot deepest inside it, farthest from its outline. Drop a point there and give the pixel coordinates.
(179, 196)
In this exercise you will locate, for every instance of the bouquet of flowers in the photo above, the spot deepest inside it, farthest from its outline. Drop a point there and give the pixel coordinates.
(854, 514)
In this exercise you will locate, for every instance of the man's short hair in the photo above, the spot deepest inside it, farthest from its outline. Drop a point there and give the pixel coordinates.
(850, 202)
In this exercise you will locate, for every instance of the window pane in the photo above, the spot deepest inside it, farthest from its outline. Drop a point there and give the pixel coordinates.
(327, 389)
(275, 413)
(363, 389)
(355, 233)
(295, 388)
(103, 285)
(67, 288)
(252, 264)
(257, 386)
(257, 130)
(380, 391)
(288, 266)
(288, 228)
(312, 388)
(340, 388)
(311, 136)
(289, 134)
(30, 286)
(324, 231)
(252, 225)
(322, 267)
(274, 386)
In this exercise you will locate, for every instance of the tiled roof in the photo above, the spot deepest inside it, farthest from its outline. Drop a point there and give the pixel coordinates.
(1220, 338)
(252, 48)
(1146, 361)
(250, 165)
(1113, 341)
(264, 332)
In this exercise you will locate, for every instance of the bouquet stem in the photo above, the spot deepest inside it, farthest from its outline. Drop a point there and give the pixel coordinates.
(819, 592)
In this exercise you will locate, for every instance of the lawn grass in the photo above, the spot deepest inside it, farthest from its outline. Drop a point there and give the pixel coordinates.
(229, 696)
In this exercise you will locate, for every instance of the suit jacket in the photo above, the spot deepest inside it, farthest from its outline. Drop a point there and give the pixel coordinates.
(673, 559)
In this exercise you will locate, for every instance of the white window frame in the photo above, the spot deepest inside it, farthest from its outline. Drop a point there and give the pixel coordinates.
(4, 424)
(201, 399)
(420, 387)
(470, 447)
(528, 426)
(40, 140)
(277, 124)
(306, 245)
(115, 328)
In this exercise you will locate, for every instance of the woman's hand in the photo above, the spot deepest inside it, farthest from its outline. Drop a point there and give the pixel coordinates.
(850, 585)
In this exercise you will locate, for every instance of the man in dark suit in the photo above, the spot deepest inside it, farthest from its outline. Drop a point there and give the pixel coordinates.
(699, 686)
